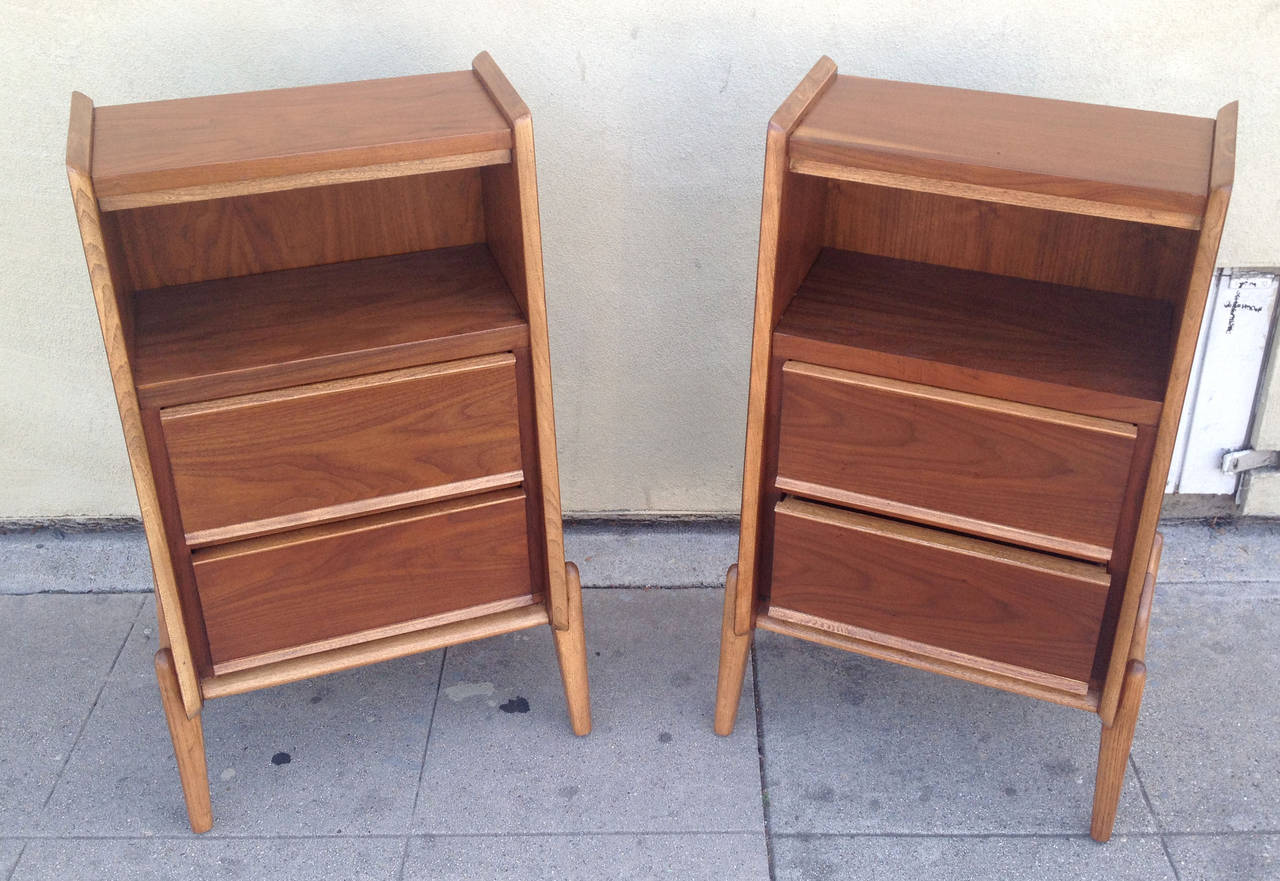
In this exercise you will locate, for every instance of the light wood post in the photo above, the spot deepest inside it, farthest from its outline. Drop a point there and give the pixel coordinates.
(187, 734)
(1113, 752)
(571, 649)
(733, 660)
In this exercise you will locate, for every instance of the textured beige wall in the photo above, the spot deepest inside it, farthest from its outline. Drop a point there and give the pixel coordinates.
(650, 121)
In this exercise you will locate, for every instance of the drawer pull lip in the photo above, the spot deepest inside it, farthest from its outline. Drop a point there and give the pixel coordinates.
(961, 544)
(956, 522)
(373, 520)
(359, 508)
(325, 177)
(404, 374)
(981, 402)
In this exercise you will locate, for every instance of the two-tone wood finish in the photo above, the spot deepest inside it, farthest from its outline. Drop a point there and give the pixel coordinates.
(975, 318)
(324, 315)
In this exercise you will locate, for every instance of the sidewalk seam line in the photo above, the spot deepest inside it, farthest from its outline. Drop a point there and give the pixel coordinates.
(14, 868)
(1146, 797)
(422, 768)
(404, 855)
(84, 723)
(764, 785)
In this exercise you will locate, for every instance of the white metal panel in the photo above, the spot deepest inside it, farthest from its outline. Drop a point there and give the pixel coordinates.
(1224, 382)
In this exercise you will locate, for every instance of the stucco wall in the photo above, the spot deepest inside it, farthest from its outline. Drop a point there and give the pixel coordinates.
(650, 122)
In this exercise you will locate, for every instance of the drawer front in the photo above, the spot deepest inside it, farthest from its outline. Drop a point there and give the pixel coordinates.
(970, 601)
(268, 462)
(282, 595)
(1013, 472)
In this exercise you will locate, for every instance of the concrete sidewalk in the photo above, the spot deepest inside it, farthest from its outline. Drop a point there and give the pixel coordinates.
(434, 766)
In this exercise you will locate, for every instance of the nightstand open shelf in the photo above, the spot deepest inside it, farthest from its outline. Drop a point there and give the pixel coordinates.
(250, 333)
(1042, 343)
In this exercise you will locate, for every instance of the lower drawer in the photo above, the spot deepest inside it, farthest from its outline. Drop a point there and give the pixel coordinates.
(271, 598)
(993, 607)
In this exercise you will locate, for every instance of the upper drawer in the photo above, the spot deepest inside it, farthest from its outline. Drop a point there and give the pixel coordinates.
(266, 462)
(1013, 472)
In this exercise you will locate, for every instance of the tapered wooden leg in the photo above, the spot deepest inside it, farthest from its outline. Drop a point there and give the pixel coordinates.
(1113, 752)
(571, 648)
(188, 745)
(734, 648)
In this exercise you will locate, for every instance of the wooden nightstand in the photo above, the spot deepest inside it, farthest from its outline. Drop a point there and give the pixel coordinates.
(323, 312)
(975, 317)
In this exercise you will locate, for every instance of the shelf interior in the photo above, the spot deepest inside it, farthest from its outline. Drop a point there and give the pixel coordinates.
(1042, 343)
(255, 332)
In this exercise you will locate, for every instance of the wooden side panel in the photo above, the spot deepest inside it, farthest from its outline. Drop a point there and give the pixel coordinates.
(503, 229)
(273, 461)
(771, 265)
(196, 241)
(930, 588)
(1190, 307)
(179, 553)
(1069, 249)
(531, 471)
(801, 233)
(519, 210)
(335, 582)
(1010, 472)
(107, 294)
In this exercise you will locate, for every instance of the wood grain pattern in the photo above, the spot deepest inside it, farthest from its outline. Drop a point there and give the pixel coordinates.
(1010, 472)
(1122, 550)
(571, 653)
(380, 634)
(176, 545)
(525, 208)
(1151, 163)
(956, 660)
(912, 320)
(198, 241)
(106, 290)
(932, 662)
(277, 460)
(754, 480)
(386, 649)
(1137, 259)
(530, 472)
(187, 735)
(243, 335)
(1189, 317)
(324, 582)
(1113, 753)
(206, 192)
(734, 651)
(161, 145)
(962, 595)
